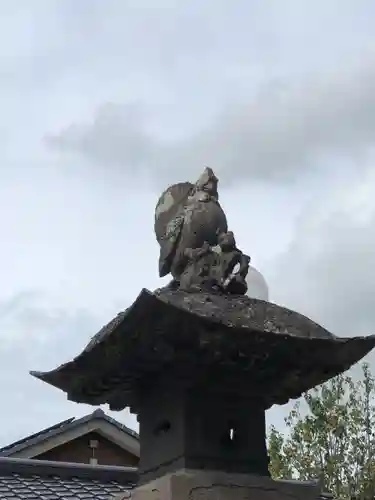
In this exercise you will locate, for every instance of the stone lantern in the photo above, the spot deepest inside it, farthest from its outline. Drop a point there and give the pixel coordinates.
(200, 362)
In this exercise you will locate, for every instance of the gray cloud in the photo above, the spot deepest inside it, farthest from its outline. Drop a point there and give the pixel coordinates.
(115, 138)
(37, 333)
(279, 134)
(328, 269)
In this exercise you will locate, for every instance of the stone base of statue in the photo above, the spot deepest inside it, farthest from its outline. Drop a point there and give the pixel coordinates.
(200, 370)
(188, 484)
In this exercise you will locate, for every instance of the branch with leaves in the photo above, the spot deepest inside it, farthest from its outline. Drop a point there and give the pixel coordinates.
(330, 435)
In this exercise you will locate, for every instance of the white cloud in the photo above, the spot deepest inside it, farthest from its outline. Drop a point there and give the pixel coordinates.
(329, 266)
(265, 90)
(38, 334)
(278, 134)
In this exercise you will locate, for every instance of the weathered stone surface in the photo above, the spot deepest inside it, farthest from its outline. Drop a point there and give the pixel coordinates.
(195, 245)
(204, 425)
(269, 350)
(244, 312)
(220, 269)
(208, 485)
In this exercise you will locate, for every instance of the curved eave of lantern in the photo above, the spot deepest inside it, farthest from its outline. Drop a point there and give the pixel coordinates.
(272, 351)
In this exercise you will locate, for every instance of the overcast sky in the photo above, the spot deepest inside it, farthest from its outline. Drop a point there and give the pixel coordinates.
(104, 103)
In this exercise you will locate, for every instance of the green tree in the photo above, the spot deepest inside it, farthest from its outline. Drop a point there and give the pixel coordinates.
(331, 436)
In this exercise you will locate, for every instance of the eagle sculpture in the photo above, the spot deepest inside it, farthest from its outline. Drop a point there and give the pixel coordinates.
(189, 226)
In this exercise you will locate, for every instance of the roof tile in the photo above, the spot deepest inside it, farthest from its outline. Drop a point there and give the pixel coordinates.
(38, 480)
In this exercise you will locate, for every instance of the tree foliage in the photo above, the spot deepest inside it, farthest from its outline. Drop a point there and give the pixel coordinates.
(331, 436)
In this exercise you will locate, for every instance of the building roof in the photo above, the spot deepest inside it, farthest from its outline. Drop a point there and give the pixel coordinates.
(67, 430)
(28, 479)
(159, 328)
(22, 479)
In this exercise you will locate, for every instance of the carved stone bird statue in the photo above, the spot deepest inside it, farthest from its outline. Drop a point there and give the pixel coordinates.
(187, 216)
